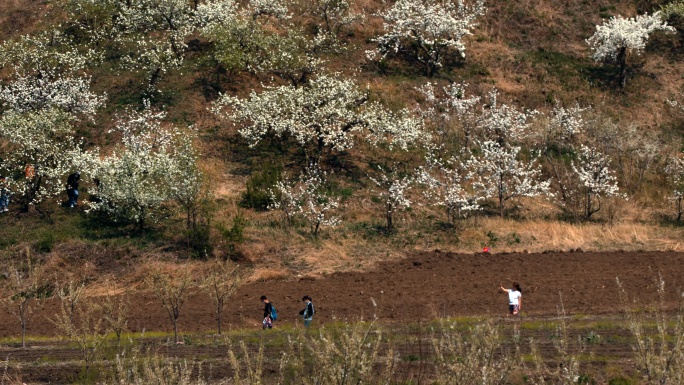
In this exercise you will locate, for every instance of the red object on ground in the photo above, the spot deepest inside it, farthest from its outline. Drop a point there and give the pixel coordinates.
(485, 250)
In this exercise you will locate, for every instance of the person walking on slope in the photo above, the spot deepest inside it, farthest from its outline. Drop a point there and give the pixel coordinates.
(4, 195)
(72, 188)
(514, 298)
(268, 311)
(308, 311)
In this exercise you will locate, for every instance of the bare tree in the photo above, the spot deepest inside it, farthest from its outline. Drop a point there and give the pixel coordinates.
(223, 279)
(25, 284)
(172, 289)
(81, 320)
(115, 311)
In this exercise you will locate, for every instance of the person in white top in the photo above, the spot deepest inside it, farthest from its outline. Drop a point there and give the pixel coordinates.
(514, 298)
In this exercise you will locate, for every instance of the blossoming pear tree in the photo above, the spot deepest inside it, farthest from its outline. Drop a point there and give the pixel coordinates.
(393, 186)
(306, 197)
(504, 176)
(449, 184)
(327, 115)
(504, 123)
(449, 112)
(149, 168)
(39, 149)
(430, 28)
(619, 36)
(597, 180)
(675, 173)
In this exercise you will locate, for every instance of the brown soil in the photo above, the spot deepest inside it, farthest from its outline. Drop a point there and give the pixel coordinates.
(422, 286)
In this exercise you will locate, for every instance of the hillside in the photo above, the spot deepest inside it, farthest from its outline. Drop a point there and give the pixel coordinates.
(533, 52)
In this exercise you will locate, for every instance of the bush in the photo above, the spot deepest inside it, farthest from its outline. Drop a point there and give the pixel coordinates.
(257, 196)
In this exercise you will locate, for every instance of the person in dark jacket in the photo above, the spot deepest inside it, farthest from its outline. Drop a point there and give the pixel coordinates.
(72, 188)
(308, 311)
(268, 309)
(4, 195)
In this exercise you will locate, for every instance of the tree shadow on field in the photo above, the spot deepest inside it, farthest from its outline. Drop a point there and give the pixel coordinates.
(670, 221)
(98, 226)
(605, 77)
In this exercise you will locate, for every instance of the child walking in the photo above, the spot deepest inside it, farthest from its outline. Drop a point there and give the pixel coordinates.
(514, 298)
(268, 310)
(308, 311)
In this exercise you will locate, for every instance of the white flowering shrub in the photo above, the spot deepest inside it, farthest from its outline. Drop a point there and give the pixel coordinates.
(152, 166)
(504, 123)
(292, 57)
(393, 187)
(307, 197)
(675, 173)
(431, 28)
(47, 73)
(50, 54)
(557, 135)
(335, 16)
(619, 36)
(597, 180)
(450, 112)
(30, 93)
(40, 149)
(325, 116)
(564, 126)
(449, 184)
(504, 176)
(272, 8)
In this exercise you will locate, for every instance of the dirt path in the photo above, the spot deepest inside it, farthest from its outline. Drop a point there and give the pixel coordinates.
(423, 286)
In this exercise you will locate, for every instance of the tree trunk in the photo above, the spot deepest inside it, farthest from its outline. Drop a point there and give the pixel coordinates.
(219, 306)
(22, 317)
(622, 61)
(679, 209)
(588, 204)
(389, 216)
(175, 331)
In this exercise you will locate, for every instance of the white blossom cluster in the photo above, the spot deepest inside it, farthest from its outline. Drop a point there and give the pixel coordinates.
(306, 197)
(151, 167)
(30, 93)
(326, 115)
(215, 13)
(566, 123)
(504, 176)
(335, 15)
(675, 172)
(432, 27)
(447, 107)
(595, 176)
(449, 184)
(47, 74)
(504, 123)
(393, 191)
(273, 8)
(42, 141)
(49, 54)
(619, 33)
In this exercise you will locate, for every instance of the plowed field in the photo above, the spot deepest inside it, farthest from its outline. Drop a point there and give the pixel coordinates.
(419, 288)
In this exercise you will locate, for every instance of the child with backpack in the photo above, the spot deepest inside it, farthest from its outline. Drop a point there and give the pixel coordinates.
(270, 314)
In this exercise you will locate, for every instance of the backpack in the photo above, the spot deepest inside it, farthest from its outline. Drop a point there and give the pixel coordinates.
(274, 314)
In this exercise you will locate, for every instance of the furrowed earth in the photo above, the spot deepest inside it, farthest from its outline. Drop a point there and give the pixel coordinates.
(413, 291)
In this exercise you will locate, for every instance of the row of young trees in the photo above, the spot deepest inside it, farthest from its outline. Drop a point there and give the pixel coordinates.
(90, 322)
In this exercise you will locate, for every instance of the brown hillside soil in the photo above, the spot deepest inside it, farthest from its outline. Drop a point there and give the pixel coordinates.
(421, 287)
